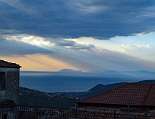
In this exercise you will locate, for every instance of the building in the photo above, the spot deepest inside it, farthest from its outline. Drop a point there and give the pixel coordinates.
(10, 99)
(18, 103)
(9, 82)
(127, 101)
(133, 100)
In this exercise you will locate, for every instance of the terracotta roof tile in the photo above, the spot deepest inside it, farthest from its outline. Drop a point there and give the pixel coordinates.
(130, 94)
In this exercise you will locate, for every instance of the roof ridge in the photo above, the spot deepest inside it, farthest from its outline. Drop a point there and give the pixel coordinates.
(4, 63)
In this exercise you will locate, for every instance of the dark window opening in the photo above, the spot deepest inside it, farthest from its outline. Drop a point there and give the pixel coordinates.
(2, 81)
(5, 116)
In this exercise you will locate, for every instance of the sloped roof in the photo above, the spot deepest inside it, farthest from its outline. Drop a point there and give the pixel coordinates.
(8, 64)
(131, 94)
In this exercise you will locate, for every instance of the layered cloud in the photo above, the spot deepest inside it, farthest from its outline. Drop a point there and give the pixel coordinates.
(76, 18)
(87, 7)
(83, 53)
(139, 45)
(18, 48)
(87, 35)
(38, 62)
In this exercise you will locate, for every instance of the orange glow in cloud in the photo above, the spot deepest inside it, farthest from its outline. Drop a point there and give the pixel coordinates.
(38, 62)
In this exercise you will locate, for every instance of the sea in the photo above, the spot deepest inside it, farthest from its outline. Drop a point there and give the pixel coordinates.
(50, 83)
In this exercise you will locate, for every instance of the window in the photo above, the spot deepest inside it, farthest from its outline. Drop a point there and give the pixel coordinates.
(4, 116)
(2, 81)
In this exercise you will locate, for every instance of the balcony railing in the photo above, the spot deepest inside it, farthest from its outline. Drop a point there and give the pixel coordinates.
(27, 112)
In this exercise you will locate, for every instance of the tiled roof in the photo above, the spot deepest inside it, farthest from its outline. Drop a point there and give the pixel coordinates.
(131, 94)
(8, 64)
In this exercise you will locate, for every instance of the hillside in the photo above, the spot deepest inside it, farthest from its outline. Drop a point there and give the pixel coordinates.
(63, 99)
(36, 98)
(58, 100)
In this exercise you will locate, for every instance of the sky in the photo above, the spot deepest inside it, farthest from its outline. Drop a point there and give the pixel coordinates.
(82, 35)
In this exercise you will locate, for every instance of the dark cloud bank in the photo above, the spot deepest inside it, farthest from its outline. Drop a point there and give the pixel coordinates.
(75, 18)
